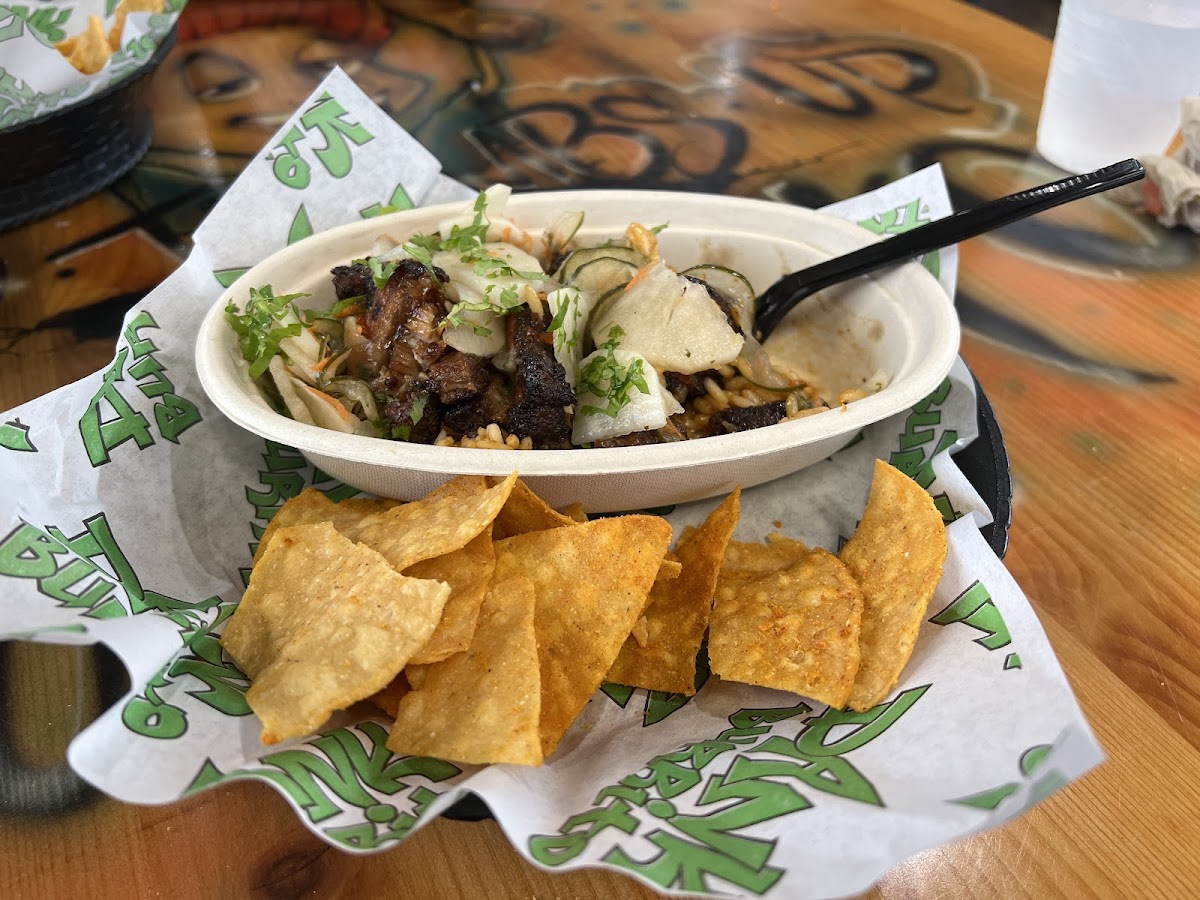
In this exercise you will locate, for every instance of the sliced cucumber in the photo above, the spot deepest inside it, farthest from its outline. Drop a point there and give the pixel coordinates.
(587, 254)
(560, 233)
(733, 285)
(601, 275)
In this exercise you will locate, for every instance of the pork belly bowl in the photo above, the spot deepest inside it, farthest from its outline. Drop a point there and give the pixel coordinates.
(598, 342)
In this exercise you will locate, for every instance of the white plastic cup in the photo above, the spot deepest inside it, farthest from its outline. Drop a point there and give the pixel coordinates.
(1118, 72)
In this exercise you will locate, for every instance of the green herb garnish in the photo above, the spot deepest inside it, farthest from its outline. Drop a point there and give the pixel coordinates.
(608, 380)
(380, 271)
(500, 301)
(349, 307)
(259, 328)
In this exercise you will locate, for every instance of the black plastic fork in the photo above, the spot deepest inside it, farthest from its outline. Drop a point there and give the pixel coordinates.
(779, 299)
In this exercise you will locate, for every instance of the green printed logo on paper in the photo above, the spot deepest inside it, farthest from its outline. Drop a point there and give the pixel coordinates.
(46, 22)
(336, 772)
(222, 686)
(901, 219)
(90, 573)
(1043, 786)
(398, 201)
(923, 438)
(111, 420)
(975, 607)
(695, 816)
(68, 569)
(14, 435)
(20, 103)
(285, 473)
(327, 118)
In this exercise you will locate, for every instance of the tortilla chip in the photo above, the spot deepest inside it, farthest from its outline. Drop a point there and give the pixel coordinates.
(746, 562)
(777, 554)
(89, 50)
(679, 610)
(311, 506)
(795, 630)
(388, 699)
(896, 554)
(670, 568)
(122, 11)
(640, 633)
(575, 511)
(461, 486)
(482, 706)
(440, 523)
(415, 674)
(468, 572)
(324, 623)
(592, 583)
(524, 512)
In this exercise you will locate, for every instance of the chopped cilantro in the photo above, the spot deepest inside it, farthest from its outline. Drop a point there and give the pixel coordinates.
(380, 271)
(418, 408)
(608, 380)
(659, 229)
(351, 306)
(259, 328)
(499, 301)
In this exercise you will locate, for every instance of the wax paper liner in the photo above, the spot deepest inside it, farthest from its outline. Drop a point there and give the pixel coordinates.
(36, 79)
(132, 507)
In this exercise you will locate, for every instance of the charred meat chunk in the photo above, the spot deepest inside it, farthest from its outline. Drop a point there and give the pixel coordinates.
(492, 404)
(400, 325)
(354, 281)
(668, 434)
(542, 393)
(412, 417)
(688, 387)
(458, 376)
(744, 418)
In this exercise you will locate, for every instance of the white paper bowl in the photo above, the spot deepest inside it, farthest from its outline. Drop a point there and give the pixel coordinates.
(900, 322)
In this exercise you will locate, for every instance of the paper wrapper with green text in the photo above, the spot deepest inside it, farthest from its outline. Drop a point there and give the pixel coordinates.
(132, 507)
(36, 79)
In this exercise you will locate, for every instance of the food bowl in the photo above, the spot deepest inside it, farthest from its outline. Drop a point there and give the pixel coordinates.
(899, 323)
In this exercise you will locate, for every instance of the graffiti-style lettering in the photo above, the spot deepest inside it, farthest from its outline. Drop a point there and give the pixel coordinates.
(975, 607)
(327, 117)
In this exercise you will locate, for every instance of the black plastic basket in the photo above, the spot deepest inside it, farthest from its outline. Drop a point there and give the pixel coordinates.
(72, 153)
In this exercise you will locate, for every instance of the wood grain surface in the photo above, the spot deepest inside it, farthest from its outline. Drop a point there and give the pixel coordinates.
(1081, 326)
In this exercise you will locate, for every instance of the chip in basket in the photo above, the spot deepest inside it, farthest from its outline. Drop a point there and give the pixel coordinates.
(795, 630)
(484, 705)
(661, 654)
(467, 571)
(896, 554)
(323, 624)
(592, 583)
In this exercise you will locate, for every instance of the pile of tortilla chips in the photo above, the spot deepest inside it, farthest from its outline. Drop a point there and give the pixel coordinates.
(89, 50)
(483, 621)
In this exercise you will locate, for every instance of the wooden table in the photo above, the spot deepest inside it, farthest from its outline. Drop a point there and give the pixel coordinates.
(1082, 327)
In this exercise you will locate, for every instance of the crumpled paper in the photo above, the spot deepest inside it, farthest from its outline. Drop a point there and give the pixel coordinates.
(1171, 189)
(35, 79)
(131, 509)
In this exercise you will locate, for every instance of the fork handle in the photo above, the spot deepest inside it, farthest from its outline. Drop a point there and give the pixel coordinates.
(958, 227)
